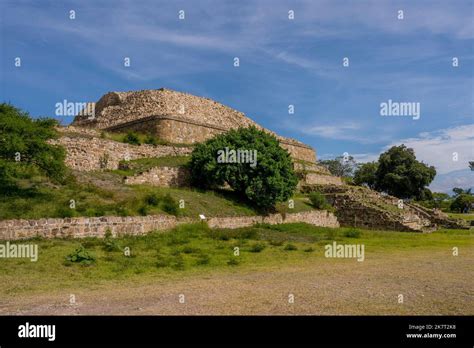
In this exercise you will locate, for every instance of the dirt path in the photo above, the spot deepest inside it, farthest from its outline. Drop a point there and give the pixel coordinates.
(430, 282)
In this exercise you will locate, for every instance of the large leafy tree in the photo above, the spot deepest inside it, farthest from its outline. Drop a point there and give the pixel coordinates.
(462, 203)
(271, 179)
(400, 174)
(366, 174)
(24, 149)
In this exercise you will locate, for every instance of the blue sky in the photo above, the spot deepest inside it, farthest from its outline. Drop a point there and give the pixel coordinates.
(282, 62)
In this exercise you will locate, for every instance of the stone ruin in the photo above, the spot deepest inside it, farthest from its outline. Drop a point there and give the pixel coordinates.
(181, 118)
(176, 117)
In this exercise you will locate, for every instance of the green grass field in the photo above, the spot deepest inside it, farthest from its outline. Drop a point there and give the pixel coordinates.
(195, 249)
(467, 217)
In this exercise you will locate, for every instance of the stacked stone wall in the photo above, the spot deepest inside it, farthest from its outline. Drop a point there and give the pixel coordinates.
(162, 176)
(91, 153)
(81, 227)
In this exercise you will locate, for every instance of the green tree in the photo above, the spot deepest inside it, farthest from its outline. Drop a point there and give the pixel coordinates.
(24, 150)
(439, 198)
(401, 175)
(343, 166)
(366, 174)
(459, 191)
(462, 203)
(131, 138)
(265, 181)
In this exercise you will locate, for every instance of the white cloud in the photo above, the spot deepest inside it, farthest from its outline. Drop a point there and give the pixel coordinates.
(348, 131)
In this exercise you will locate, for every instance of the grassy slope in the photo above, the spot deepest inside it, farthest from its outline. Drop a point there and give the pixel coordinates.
(103, 193)
(196, 250)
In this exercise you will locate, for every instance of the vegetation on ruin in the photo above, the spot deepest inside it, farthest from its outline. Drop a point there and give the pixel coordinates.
(24, 151)
(269, 181)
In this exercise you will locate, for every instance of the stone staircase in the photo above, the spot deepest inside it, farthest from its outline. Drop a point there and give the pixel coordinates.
(361, 207)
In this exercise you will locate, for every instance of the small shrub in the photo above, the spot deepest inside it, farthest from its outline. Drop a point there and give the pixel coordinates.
(64, 211)
(191, 250)
(258, 247)
(352, 234)
(233, 262)
(104, 161)
(169, 205)
(108, 233)
(131, 138)
(290, 247)
(109, 243)
(143, 210)
(151, 140)
(122, 211)
(178, 262)
(81, 256)
(203, 260)
(152, 199)
(318, 200)
(276, 242)
(162, 262)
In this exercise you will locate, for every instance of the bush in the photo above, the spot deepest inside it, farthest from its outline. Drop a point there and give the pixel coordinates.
(64, 211)
(152, 199)
(110, 244)
(191, 250)
(233, 262)
(162, 262)
(263, 180)
(258, 247)
(203, 260)
(318, 200)
(169, 205)
(462, 203)
(151, 140)
(131, 138)
(81, 256)
(290, 247)
(178, 262)
(24, 148)
(143, 210)
(352, 234)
